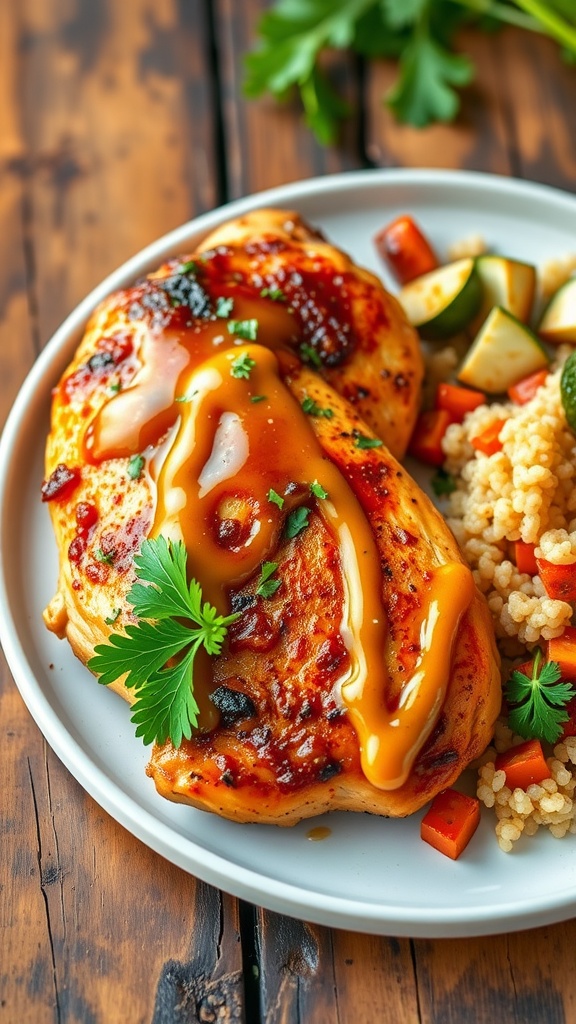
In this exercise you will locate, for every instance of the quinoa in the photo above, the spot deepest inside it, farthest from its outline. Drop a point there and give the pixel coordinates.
(525, 492)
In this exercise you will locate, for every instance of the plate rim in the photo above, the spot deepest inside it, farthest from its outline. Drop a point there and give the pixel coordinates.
(283, 897)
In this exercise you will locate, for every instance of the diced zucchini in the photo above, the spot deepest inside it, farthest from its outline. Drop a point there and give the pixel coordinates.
(443, 302)
(503, 352)
(507, 283)
(558, 323)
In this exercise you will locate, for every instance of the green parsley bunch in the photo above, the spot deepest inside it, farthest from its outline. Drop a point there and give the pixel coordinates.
(418, 33)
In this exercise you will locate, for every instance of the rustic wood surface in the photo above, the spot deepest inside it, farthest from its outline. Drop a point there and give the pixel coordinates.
(119, 121)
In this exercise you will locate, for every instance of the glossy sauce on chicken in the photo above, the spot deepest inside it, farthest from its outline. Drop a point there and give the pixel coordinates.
(230, 455)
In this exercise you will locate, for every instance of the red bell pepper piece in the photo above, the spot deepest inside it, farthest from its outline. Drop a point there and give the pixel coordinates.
(524, 765)
(450, 822)
(405, 249)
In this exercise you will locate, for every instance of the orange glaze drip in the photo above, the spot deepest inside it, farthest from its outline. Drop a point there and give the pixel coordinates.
(317, 834)
(391, 740)
(224, 455)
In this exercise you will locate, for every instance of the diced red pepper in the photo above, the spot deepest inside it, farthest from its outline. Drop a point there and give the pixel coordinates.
(569, 727)
(488, 441)
(562, 649)
(559, 580)
(406, 249)
(458, 401)
(525, 389)
(525, 558)
(426, 441)
(450, 822)
(523, 765)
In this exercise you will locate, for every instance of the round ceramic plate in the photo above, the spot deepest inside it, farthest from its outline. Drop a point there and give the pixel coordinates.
(370, 874)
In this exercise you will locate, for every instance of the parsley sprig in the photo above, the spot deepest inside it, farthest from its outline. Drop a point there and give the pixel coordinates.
(158, 652)
(539, 701)
(419, 33)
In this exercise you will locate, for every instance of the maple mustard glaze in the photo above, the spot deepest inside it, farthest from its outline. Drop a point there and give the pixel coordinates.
(232, 440)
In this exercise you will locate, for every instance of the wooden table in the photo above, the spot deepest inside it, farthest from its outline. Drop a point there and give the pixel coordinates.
(119, 121)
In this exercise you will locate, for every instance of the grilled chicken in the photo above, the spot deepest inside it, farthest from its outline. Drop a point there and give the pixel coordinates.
(368, 679)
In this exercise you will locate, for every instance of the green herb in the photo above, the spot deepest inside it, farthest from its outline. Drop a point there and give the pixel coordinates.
(267, 587)
(313, 409)
(310, 355)
(276, 294)
(297, 521)
(367, 442)
(157, 654)
(186, 398)
(317, 490)
(224, 306)
(246, 329)
(105, 556)
(275, 498)
(539, 701)
(420, 34)
(257, 398)
(112, 618)
(188, 268)
(443, 483)
(135, 466)
(115, 387)
(242, 366)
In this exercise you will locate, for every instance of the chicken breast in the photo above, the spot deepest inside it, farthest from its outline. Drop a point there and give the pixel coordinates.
(366, 677)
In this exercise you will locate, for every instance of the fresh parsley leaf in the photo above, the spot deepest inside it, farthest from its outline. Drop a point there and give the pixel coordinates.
(443, 483)
(224, 306)
(424, 91)
(190, 267)
(242, 366)
(105, 556)
(157, 654)
(310, 355)
(275, 498)
(313, 409)
(297, 521)
(245, 329)
(135, 466)
(276, 294)
(538, 702)
(257, 398)
(367, 442)
(267, 586)
(317, 490)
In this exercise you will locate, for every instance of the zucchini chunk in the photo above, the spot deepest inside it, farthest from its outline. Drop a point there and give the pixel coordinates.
(503, 352)
(441, 303)
(558, 323)
(508, 283)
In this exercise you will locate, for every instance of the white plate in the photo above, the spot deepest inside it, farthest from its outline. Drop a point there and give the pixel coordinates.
(371, 874)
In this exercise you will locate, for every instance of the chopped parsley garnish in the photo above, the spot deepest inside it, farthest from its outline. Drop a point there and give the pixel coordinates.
(538, 701)
(105, 556)
(224, 306)
(157, 654)
(317, 490)
(275, 498)
(111, 619)
(276, 294)
(297, 521)
(267, 586)
(367, 442)
(115, 387)
(313, 409)
(310, 355)
(188, 268)
(257, 398)
(186, 398)
(246, 329)
(242, 366)
(135, 466)
(443, 483)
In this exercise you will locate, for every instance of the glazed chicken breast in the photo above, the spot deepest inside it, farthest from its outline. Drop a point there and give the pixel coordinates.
(236, 402)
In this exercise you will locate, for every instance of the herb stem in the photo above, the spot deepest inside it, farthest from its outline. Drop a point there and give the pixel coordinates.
(555, 25)
(502, 12)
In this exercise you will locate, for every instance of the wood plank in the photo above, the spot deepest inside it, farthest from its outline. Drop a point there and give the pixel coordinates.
(121, 137)
(268, 144)
(310, 973)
